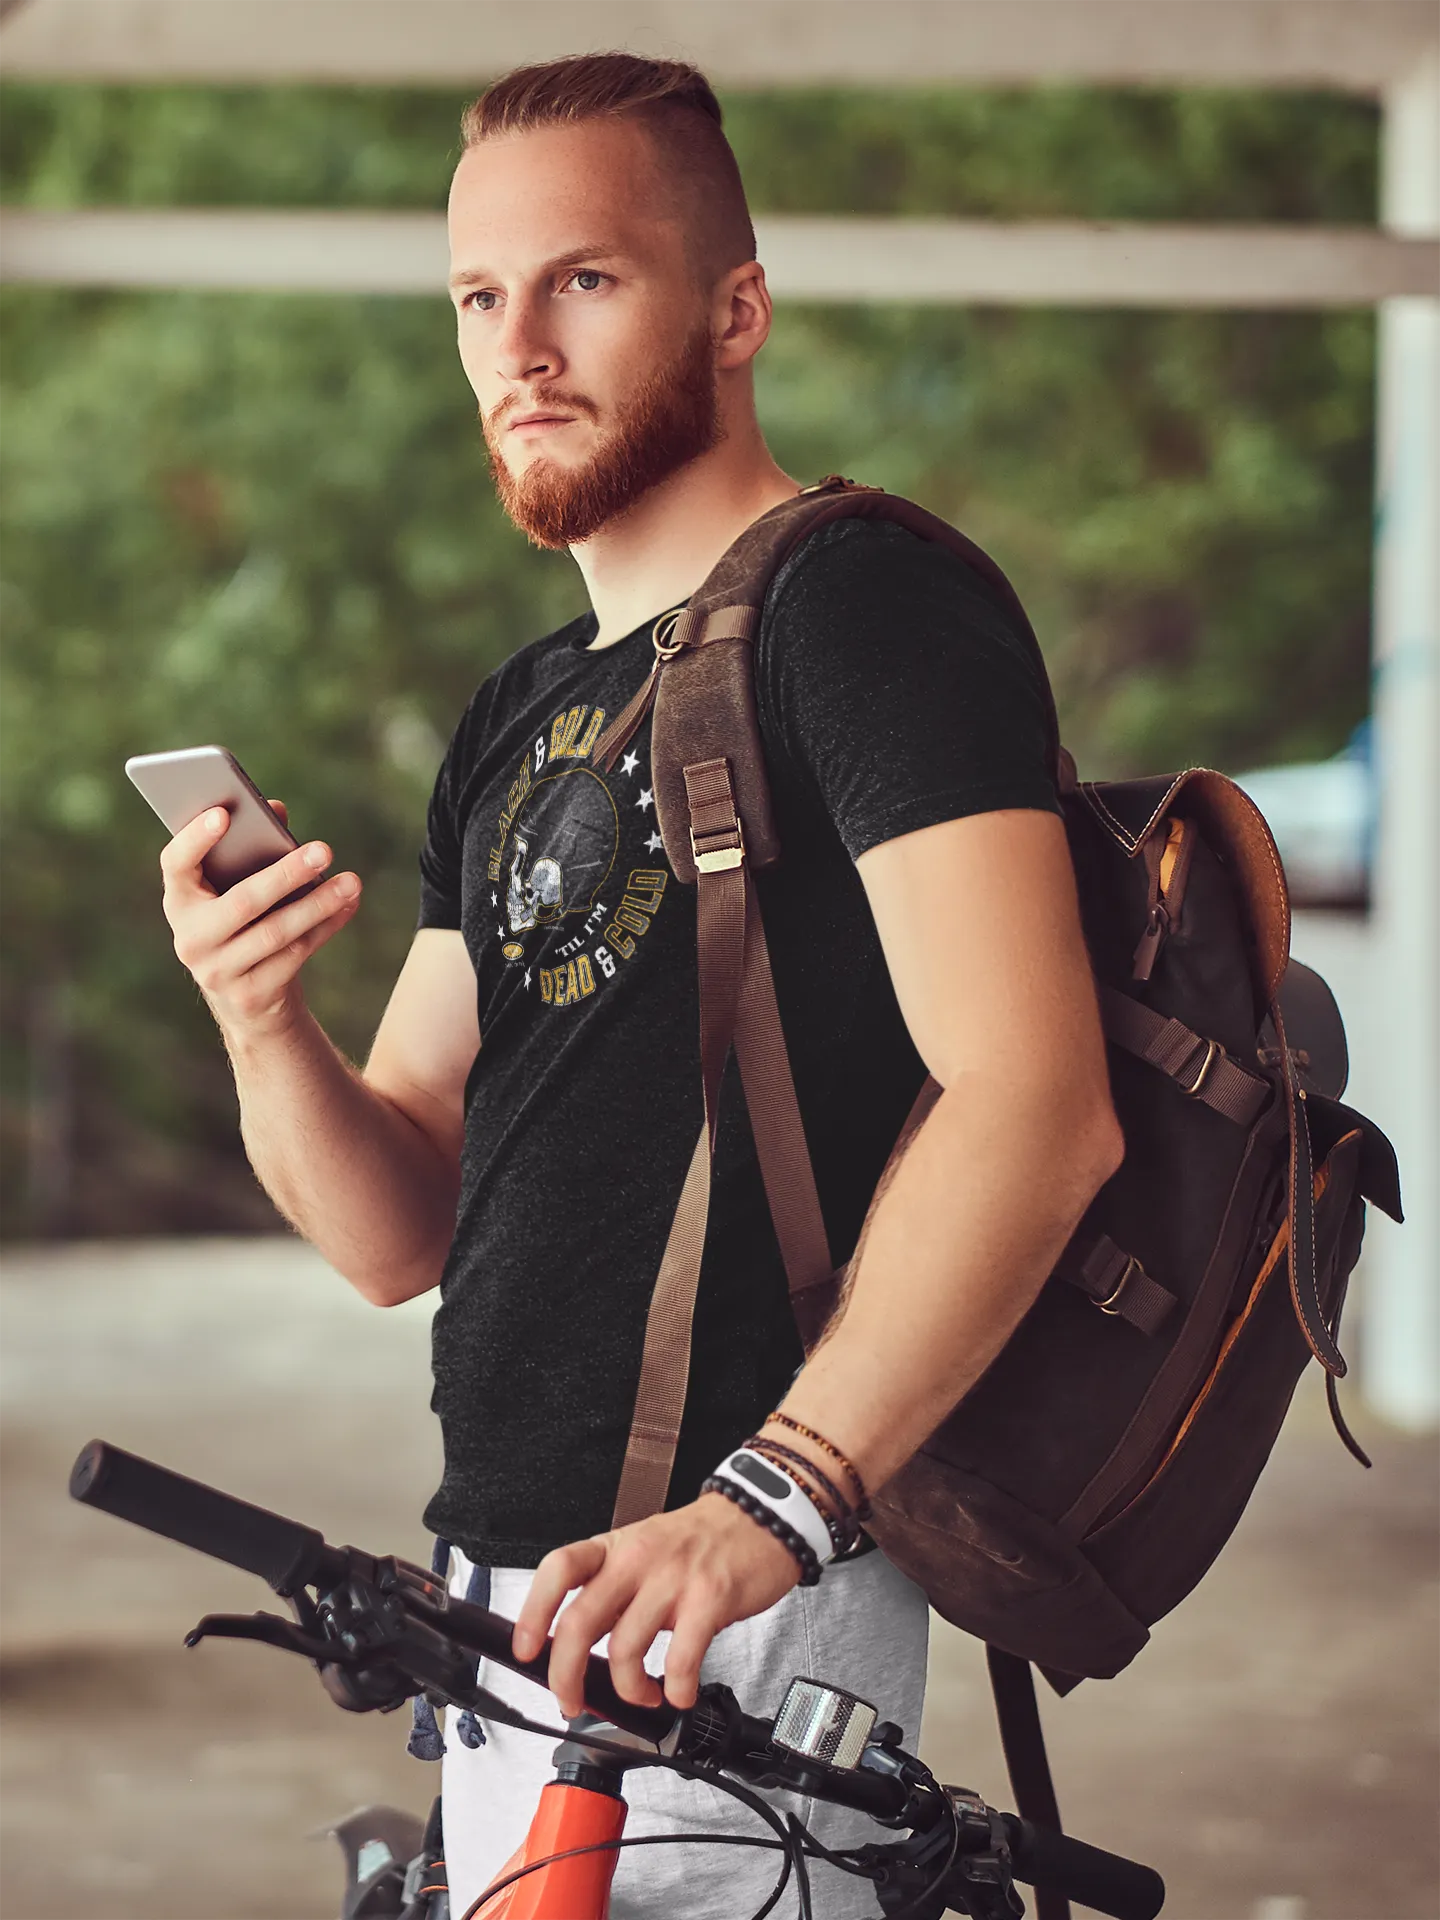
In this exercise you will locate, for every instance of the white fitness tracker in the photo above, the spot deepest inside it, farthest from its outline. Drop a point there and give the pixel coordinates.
(776, 1490)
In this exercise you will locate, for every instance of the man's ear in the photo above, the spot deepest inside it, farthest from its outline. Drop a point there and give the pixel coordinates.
(742, 316)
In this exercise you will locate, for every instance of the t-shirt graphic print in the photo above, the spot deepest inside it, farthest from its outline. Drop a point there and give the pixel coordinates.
(558, 848)
(892, 695)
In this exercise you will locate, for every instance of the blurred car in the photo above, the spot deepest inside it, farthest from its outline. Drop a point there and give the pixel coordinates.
(1322, 815)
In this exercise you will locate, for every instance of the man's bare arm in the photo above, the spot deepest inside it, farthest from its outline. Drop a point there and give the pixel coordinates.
(367, 1167)
(981, 931)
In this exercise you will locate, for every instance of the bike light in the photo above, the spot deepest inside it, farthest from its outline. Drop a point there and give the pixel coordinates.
(823, 1724)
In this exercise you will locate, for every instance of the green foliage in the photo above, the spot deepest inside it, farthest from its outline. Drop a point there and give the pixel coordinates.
(266, 521)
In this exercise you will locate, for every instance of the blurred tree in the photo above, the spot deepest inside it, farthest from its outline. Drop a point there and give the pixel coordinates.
(266, 520)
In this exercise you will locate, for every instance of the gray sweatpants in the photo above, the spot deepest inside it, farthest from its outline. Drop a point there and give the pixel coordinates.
(864, 1627)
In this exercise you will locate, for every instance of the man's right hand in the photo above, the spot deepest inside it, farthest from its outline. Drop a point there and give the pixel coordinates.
(244, 958)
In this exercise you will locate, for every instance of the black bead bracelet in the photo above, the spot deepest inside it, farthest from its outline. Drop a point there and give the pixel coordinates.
(799, 1548)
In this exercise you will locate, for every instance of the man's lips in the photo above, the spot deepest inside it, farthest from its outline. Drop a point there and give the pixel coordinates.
(528, 423)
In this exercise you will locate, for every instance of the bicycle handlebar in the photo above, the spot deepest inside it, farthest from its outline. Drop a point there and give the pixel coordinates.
(289, 1557)
(283, 1553)
(1087, 1875)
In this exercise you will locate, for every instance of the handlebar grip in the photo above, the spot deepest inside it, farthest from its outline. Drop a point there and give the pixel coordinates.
(1087, 1875)
(283, 1553)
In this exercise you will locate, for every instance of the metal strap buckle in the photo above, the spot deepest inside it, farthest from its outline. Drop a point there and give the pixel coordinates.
(1213, 1051)
(719, 859)
(1132, 1267)
(666, 624)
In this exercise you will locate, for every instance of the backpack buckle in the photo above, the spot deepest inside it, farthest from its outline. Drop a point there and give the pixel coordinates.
(1213, 1051)
(1110, 1304)
(719, 859)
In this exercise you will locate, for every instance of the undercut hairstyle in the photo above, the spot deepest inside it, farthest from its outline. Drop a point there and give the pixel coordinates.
(677, 108)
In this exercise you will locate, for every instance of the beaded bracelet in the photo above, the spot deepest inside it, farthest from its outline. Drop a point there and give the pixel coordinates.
(800, 1550)
(841, 1523)
(862, 1502)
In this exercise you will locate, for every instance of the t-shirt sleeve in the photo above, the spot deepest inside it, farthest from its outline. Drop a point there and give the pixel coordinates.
(442, 854)
(897, 686)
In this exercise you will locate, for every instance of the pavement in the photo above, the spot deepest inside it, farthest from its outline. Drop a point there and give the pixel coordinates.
(1273, 1751)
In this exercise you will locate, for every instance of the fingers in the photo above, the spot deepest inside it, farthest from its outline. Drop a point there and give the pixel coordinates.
(631, 1638)
(257, 986)
(580, 1625)
(279, 808)
(248, 899)
(180, 860)
(699, 1620)
(555, 1576)
(259, 938)
(243, 948)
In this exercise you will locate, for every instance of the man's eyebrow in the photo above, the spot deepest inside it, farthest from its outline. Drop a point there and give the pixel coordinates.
(577, 256)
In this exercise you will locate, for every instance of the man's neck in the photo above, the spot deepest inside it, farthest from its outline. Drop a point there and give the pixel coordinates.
(655, 555)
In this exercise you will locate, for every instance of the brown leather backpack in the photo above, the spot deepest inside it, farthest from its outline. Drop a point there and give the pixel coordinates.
(1082, 1487)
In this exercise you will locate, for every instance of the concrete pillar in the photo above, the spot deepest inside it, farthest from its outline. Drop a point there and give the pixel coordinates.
(1401, 1354)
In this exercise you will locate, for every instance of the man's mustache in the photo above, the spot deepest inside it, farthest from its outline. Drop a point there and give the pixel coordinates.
(534, 401)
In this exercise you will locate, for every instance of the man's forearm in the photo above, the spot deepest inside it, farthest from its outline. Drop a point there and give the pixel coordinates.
(959, 1245)
(346, 1167)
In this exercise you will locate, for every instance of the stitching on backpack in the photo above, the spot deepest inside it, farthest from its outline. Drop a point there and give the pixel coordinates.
(1174, 788)
(1120, 832)
(1302, 1302)
(1134, 841)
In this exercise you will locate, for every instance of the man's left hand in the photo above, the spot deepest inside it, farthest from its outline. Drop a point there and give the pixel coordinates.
(694, 1571)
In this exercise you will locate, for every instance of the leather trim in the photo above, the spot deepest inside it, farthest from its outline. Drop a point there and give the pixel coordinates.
(1236, 831)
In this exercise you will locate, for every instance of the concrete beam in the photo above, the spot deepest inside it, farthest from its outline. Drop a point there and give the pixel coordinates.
(955, 261)
(1352, 45)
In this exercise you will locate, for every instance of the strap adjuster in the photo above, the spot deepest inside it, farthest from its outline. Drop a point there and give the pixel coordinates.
(1213, 1051)
(720, 859)
(1110, 1303)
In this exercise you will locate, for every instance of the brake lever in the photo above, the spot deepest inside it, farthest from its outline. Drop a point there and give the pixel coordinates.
(273, 1631)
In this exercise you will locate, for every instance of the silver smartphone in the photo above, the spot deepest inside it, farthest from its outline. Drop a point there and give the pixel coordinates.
(180, 786)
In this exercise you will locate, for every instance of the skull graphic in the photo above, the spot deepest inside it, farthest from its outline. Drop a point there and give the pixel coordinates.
(536, 896)
(562, 848)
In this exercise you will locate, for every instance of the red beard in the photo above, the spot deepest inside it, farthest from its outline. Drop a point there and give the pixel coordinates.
(671, 419)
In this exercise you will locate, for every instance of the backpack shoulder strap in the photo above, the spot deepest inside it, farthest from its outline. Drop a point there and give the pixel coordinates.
(702, 682)
(712, 797)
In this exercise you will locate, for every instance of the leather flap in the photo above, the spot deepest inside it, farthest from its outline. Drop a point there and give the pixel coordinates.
(1132, 810)
(1332, 1120)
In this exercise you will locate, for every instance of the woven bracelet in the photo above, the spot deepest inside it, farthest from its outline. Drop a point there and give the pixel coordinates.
(862, 1498)
(800, 1550)
(841, 1524)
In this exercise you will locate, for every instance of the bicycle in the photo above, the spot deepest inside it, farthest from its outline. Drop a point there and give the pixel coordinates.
(380, 1630)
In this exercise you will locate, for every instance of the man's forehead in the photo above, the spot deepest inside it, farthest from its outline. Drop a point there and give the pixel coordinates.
(531, 197)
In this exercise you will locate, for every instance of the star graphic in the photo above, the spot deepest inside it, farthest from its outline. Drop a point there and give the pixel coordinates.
(501, 932)
(527, 976)
(629, 763)
(647, 798)
(654, 844)
(494, 899)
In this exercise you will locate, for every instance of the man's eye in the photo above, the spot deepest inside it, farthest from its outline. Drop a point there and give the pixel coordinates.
(588, 280)
(482, 300)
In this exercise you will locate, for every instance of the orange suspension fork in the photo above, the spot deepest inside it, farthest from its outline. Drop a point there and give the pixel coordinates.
(568, 1816)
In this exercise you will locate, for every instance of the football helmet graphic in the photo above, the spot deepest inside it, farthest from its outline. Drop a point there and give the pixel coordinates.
(562, 847)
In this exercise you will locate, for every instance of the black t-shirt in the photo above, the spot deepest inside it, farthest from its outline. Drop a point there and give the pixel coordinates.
(894, 693)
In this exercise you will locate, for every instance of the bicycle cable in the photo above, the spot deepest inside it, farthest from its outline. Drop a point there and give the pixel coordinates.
(497, 1887)
(794, 1839)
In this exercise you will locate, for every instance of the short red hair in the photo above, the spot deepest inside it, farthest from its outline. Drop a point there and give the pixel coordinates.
(676, 106)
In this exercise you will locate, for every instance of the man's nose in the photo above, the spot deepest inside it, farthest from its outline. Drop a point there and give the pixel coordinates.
(524, 349)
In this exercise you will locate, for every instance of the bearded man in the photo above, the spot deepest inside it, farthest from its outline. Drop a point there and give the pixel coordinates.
(610, 309)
